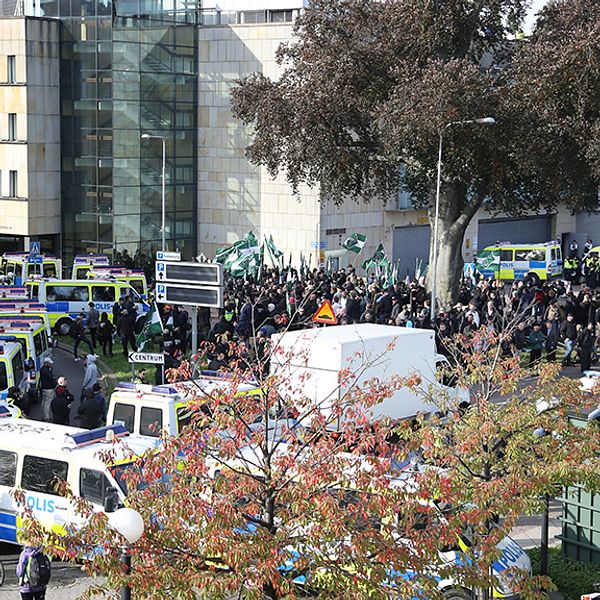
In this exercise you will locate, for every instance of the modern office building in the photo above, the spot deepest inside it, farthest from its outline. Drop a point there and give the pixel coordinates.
(29, 132)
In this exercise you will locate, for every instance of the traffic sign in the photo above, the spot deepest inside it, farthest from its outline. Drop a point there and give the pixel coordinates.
(153, 358)
(190, 295)
(325, 314)
(189, 272)
(34, 248)
(168, 255)
(37, 259)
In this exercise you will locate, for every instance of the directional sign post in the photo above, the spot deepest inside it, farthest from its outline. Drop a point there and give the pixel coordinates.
(168, 255)
(151, 358)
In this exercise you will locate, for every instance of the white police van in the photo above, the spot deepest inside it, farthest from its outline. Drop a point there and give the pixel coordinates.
(34, 455)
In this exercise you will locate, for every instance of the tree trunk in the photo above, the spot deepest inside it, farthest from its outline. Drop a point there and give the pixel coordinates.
(455, 214)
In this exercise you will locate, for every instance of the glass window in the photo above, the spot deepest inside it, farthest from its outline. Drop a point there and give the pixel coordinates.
(49, 270)
(3, 376)
(33, 269)
(38, 344)
(553, 254)
(40, 474)
(103, 293)
(12, 184)
(124, 414)
(34, 290)
(126, 292)
(93, 486)
(8, 468)
(137, 285)
(17, 367)
(11, 68)
(559, 254)
(506, 255)
(12, 126)
(528, 255)
(151, 421)
(66, 293)
(281, 16)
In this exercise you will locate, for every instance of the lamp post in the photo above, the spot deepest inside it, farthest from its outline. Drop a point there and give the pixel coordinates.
(130, 525)
(147, 136)
(482, 121)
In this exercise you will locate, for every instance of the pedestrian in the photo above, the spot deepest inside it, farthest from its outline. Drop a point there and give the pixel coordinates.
(588, 246)
(47, 385)
(16, 398)
(33, 580)
(551, 343)
(141, 376)
(127, 324)
(568, 334)
(61, 405)
(585, 343)
(90, 376)
(574, 249)
(535, 341)
(78, 334)
(92, 410)
(92, 321)
(105, 334)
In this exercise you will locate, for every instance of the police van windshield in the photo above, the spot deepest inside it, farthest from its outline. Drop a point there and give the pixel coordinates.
(132, 472)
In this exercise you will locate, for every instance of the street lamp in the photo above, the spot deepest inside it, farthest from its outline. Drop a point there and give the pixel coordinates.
(482, 121)
(130, 525)
(147, 136)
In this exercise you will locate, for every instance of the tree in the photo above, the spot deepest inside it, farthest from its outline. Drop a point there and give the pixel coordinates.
(256, 510)
(368, 88)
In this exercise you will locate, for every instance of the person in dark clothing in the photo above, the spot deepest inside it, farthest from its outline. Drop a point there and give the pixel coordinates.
(127, 322)
(218, 363)
(535, 341)
(551, 343)
(14, 396)
(105, 334)
(47, 385)
(28, 591)
(92, 322)
(78, 333)
(585, 342)
(181, 326)
(61, 405)
(93, 408)
(568, 333)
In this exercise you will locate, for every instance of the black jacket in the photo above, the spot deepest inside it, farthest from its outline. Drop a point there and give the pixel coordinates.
(47, 378)
(93, 411)
(568, 330)
(61, 405)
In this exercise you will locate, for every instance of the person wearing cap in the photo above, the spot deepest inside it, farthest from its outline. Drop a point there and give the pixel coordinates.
(61, 405)
(47, 385)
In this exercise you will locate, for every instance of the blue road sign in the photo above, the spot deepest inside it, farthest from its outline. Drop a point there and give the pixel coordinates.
(34, 248)
(160, 289)
(35, 259)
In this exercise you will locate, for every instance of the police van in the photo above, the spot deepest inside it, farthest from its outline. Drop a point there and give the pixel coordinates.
(149, 410)
(12, 368)
(82, 263)
(14, 293)
(33, 310)
(136, 278)
(17, 267)
(65, 299)
(510, 262)
(34, 455)
(31, 334)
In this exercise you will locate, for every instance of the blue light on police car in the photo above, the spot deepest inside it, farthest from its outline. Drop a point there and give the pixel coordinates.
(92, 436)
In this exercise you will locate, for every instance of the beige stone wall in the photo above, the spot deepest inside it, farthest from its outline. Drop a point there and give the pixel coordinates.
(35, 154)
(235, 197)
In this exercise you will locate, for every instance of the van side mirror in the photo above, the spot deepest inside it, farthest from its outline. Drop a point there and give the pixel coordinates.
(111, 500)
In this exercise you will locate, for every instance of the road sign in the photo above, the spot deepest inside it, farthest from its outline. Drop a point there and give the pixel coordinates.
(152, 358)
(34, 248)
(37, 259)
(325, 314)
(190, 295)
(189, 272)
(168, 255)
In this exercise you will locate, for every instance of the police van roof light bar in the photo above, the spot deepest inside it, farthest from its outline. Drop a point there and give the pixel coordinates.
(85, 438)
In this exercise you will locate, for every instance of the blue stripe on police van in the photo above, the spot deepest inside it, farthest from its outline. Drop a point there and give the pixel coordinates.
(8, 519)
(537, 264)
(8, 533)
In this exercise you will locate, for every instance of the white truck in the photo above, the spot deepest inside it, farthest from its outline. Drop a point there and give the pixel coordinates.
(308, 365)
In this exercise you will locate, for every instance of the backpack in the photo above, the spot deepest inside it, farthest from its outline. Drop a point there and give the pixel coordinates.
(37, 571)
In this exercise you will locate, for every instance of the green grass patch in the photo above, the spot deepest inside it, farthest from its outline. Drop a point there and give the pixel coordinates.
(572, 578)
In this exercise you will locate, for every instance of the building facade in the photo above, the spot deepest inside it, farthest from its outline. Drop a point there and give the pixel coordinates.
(29, 133)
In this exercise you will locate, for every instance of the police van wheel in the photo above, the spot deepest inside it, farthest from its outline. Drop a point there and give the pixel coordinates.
(457, 594)
(532, 278)
(63, 327)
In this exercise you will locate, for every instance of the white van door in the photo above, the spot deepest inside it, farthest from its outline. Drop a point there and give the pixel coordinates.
(8, 508)
(39, 475)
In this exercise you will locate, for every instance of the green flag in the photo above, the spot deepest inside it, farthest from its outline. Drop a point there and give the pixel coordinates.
(274, 253)
(355, 242)
(488, 260)
(245, 265)
(378, 259)
(152, 326)
(232, 255)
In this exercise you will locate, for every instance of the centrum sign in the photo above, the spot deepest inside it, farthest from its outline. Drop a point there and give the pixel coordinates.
(153, 358)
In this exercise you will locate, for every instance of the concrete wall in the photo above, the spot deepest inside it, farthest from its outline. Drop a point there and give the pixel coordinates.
(35, 154)
(234, 196)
